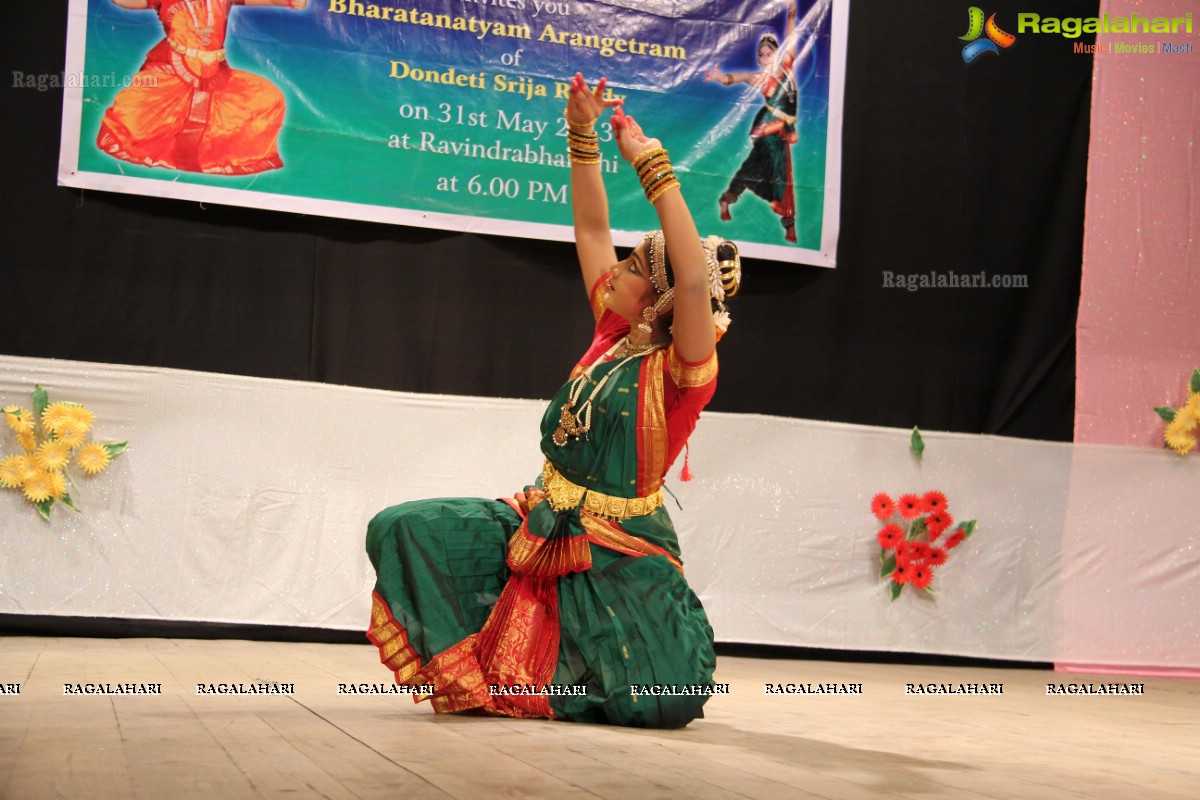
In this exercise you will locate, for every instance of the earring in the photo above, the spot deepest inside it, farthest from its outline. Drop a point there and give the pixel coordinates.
(649, 313)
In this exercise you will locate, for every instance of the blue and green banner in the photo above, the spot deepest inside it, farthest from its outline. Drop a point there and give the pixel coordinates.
(448, 113)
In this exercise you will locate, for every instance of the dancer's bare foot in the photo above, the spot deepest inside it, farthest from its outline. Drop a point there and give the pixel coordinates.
(789, 229)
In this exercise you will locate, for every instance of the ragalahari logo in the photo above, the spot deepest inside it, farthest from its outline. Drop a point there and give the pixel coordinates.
(976, 27)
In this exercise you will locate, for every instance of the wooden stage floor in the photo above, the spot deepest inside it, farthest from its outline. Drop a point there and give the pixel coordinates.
(316, 742)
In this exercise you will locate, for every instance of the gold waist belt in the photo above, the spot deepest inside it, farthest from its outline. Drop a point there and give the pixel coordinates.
(562, 494)
(775, 112)
(204, 56)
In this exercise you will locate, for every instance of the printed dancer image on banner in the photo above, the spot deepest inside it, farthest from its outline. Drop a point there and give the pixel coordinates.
(186, 109)
(767, 170)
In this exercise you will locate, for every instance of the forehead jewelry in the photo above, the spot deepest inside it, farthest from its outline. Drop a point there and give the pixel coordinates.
(656, 254)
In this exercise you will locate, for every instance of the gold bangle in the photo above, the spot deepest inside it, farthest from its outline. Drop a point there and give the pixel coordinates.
(652, 188)
(641, 160)
(578, 127)
(652, 162)
(667, 186)
(654, 180)
(582, 147)
(583, 155)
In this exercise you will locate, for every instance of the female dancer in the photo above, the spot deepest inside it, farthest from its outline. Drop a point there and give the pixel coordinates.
(569, 601)
(767, 171)
(186, 109)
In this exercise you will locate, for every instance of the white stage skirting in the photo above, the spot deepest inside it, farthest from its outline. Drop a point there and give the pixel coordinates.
(246, 500)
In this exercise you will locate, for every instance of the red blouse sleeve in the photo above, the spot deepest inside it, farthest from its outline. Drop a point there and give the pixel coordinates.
(687, 388)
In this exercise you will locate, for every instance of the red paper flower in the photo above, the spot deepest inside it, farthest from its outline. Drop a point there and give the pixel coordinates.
(921, 576)
(933, 501)
(882, 506)
(937, 556)
(937, 522)
(903, 552)
(955, 539)
(902, 574)
(918, 551)
(910, 506)
(890, 536)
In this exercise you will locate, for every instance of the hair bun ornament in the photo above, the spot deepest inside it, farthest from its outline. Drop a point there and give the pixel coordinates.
(729, 266)
(724, 277)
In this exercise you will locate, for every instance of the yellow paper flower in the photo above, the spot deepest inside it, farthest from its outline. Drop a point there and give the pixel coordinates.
(1178, 435)
(28, 467)
(93, 458)
(58, 485)
(12, 472)
(72, 433)
(81, 417)
(27, 441)
(1193, 403)
(52, 455)
(54, 415)
(1187, 417)
(19, 419)
(40, 487)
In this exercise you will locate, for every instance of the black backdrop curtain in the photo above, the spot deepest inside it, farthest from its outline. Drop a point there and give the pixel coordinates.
(947, 167)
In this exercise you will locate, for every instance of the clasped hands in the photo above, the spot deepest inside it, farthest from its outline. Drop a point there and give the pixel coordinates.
(584, 107)
(528, 499)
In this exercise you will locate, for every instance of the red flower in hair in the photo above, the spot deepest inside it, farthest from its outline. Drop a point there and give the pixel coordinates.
(921, 576)
(902, 574)
(937, 556)
(955, 539)
(937, 522)
(889, 536)
(933, 501)
(882, 506)
(910, 506)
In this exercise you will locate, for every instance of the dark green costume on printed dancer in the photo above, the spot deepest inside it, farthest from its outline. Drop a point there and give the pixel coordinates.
(767, 171)
(470, 595)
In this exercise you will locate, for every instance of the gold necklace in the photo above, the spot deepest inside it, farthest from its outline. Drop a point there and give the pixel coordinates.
(637, 349)
(205, 33)
(579, 424)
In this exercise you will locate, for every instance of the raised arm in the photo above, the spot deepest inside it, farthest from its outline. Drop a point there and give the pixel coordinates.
(730, 78)
(692, 323)
(790, 42)
(589, 202)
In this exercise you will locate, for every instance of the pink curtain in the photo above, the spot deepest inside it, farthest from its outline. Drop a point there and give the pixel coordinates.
(1138, 340)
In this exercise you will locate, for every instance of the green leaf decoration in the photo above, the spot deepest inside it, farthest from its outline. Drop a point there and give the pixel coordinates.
(66, 498)
(916, 528)
(896, 589)
(1196, 380)
(1166, 412)
(115, 448)
(967, 528)
(40, 400)
(887, 564)
(916, 443)
(44, 508)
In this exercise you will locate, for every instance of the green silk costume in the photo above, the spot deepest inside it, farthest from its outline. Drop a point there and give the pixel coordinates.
(471, 597)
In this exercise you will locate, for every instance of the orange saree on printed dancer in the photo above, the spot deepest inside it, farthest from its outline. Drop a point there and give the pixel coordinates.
(186, 109)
